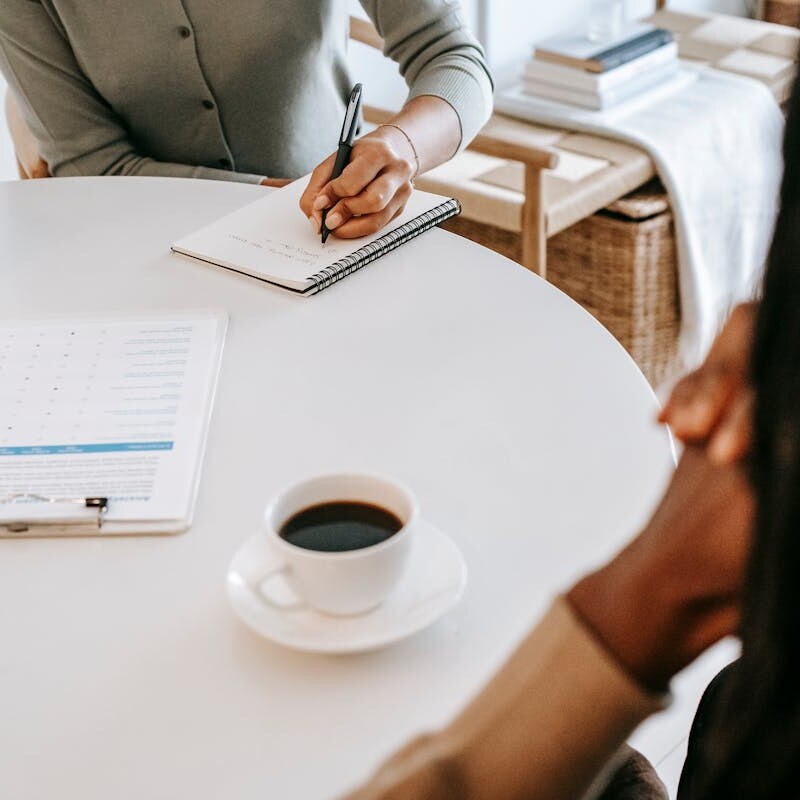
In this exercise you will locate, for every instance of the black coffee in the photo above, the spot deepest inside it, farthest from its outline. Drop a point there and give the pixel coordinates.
(334, 527)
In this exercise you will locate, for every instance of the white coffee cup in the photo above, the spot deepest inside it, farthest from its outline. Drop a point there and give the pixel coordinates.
(343, 582)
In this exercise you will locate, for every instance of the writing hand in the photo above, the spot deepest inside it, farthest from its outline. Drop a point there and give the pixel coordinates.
(713, 404)
(371, 191)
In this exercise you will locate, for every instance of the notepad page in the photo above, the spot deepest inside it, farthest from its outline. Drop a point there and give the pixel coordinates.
(272, 239)
(106, 407)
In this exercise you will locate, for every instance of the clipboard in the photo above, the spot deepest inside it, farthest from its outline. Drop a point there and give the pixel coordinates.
(107, 420)
(68, 513)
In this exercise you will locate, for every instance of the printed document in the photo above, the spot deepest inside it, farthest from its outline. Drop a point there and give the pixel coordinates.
(117, 408)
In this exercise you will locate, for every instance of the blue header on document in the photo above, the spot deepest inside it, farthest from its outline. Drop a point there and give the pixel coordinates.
(71, 449)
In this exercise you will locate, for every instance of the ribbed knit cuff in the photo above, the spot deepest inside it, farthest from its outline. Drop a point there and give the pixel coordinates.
(450, 80)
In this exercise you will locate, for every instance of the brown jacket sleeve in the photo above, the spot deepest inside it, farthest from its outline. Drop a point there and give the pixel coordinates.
(543, 728)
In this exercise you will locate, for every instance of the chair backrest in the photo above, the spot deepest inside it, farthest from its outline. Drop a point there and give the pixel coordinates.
(26, 150)
(362, 30)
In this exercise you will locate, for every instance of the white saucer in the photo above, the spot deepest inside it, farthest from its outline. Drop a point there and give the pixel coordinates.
(432, 584)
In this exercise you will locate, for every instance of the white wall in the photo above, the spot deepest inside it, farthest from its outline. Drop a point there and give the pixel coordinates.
(513, 25)
(507, 29)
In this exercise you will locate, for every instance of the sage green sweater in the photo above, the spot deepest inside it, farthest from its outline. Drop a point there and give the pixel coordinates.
(209, 89)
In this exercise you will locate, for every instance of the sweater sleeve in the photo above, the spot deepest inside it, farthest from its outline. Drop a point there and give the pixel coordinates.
(437, 55)
(78, 133)
(544, 728)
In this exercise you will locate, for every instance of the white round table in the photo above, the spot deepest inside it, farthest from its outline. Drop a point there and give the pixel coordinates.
(524, 428)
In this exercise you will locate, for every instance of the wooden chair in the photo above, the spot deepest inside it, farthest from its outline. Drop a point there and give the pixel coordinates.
(26, 150)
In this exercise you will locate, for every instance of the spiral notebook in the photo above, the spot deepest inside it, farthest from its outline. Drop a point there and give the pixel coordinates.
(271, 240)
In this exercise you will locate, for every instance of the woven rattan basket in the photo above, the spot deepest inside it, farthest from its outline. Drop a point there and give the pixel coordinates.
(620, 265)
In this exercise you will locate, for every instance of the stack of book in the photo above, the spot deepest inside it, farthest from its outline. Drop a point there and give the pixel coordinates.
(597, 75)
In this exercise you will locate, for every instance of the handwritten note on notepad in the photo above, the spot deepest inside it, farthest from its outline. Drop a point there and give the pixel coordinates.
(272, 240)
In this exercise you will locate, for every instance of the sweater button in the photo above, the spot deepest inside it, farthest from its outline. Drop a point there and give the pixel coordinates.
(208, 104)
(184, 32)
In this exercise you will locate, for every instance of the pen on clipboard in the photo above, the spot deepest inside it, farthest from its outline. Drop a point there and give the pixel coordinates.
(345, 145)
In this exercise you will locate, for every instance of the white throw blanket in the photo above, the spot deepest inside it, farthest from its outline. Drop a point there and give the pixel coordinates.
(715, 139)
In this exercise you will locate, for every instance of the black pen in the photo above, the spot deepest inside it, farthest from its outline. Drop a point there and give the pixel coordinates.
(345, 144)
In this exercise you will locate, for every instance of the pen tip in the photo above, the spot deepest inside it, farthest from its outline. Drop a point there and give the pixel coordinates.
(325, 233)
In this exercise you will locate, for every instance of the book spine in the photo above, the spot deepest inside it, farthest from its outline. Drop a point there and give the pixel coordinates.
(385, 244)
(593, 81)
(616, 56)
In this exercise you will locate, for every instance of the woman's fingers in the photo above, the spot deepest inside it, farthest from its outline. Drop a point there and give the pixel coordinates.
(382, 200)
(695, 404)
(731, 439)
(319, 178)
(364, 167)
(367, 224)
(372, 189)
(711, 405)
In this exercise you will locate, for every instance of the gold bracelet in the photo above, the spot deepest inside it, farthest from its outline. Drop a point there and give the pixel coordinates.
(410, 144)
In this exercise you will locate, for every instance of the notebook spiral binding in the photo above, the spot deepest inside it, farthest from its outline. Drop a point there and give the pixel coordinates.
(385, 244)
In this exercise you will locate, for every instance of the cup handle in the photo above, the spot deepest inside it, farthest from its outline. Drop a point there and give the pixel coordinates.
(279, 571)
